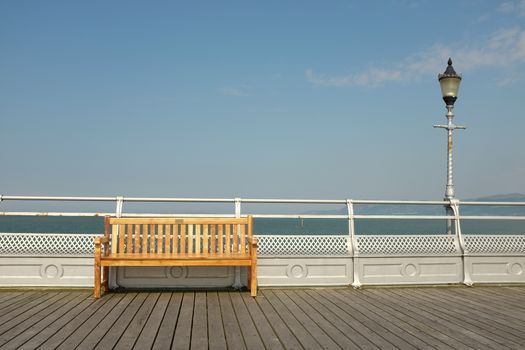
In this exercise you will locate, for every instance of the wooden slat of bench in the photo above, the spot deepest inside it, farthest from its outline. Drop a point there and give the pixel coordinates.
(136, 236)
(182, 239)
(243, 240)
(213, 243)
(129, 236)
(144, 237)
(121, 236)
(151, 238)
(189, 236)
(160, 236)
(114, 239)
(175, 239)
(228, 239)
(235, 238)
(220, 230)
(173, 221)
(169, 240)
(205, 238)
(198, 239)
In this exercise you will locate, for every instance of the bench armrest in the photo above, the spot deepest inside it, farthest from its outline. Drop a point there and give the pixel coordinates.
(252, 241)
(99, 242)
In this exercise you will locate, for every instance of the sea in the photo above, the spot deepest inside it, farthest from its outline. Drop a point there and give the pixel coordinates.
(270, 226)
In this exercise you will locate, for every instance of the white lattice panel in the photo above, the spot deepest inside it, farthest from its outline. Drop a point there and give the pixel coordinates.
(294, 245)
(407, 245)
(46, 244)
(495, 244)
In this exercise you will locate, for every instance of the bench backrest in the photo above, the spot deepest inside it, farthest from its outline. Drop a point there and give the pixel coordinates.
(179, 235)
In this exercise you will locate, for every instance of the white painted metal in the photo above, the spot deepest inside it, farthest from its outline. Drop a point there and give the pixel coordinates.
(120, 205)
(46, 244)
(301, 245)
(292, 259)
(237, 281)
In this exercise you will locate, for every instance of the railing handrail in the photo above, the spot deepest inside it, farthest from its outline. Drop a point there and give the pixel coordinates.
(120, 199)
(250, 200)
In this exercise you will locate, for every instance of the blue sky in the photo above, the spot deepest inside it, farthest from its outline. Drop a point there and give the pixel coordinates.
(297, 99)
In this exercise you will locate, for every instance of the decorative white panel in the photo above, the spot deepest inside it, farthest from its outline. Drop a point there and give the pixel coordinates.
(494, 244)
(295, 245)
(496, 269)
(304, 271)
(46, 244)
(409, 270)
(54, 271)
(407, 245)
(176, 276)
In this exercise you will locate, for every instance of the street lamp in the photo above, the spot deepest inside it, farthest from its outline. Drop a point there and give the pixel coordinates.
(449, 82)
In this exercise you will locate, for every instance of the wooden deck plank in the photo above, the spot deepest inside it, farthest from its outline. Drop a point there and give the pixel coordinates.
(71, 329)
(166, 330)
(248, 329)
(215, 329)
(365, 326)
(28, 311)
(268, 336)
(149, 332)
(199, 332)
(486, 323)
(7, 295)
(182, 337)
(232, 330)
(37, 315)
(475, 300)
(311, 326)
(435, 338)
(104, 316)
(376, 324)
(27, 332)
(9, 313)
(471, 323)
(58, 325)
(441, 318)
(285, 335)
(106, 336)
(427, 325)
(466, 336)
(135, 327)
(15, 303)
(338, 318)
(509, 296)
(304, 337)
(321, 320)
(9, 298)
(378, 316)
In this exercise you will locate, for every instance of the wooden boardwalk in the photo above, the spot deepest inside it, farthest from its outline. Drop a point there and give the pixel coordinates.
(403, 318)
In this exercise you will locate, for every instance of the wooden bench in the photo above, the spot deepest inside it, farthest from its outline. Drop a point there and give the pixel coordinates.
(175, 242)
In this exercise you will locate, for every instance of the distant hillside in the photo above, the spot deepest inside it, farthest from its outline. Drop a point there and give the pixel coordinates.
(378, 209)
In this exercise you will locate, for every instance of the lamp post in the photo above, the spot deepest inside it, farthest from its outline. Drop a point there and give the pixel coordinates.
(449, 82)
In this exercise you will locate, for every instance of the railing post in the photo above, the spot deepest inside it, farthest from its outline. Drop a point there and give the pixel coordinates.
(454, 205)
(353, 248)
(120, 204)
(237, 281)
(115, 270)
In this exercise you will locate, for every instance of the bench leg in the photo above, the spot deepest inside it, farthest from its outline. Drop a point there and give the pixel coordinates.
(96, 292)
(105, 280)
(253, 280)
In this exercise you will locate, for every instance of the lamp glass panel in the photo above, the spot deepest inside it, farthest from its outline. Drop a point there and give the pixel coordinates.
(449, 86)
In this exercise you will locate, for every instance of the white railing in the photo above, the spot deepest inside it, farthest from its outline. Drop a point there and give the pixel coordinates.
(376, 250)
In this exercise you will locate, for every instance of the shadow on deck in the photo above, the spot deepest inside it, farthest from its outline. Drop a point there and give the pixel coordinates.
(405, 318)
